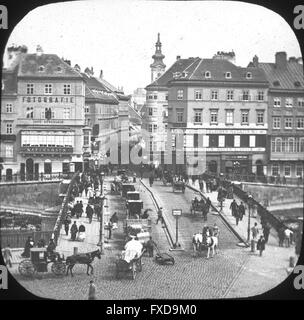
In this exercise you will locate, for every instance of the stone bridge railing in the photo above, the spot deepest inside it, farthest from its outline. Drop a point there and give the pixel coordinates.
(64, 208)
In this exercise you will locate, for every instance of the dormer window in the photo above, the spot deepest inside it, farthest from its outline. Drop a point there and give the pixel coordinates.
(228, 75)
(207, 74)
(176, 75)
(297, 84)
(41, 68)
(276, 83)
(185, 74)
(248, 75)
(59, 69)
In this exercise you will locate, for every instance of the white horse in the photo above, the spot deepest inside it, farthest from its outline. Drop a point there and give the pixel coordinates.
(200, 242)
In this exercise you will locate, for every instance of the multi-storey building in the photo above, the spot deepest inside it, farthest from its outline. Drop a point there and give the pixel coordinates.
(155, 110)
(101, 113)
(222, 111)
(9, 109)
(49, 118)
(285, 115)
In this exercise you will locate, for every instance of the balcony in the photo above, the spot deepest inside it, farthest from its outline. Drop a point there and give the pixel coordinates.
(52, 150)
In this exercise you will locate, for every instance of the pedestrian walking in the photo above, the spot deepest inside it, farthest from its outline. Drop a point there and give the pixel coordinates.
(160, 215)
(241, 211)
(89, 213)
(74, 230)
(281, 235)
(92, 291)
(266, 231)
(261, 245)
(287, 237)
(150, 247)
(233, 207)
(254, 233)
(237, 215)
(7, 256)
(67, 223)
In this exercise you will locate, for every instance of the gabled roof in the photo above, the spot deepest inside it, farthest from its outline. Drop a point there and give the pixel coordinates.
(284, 78)
(45, 65)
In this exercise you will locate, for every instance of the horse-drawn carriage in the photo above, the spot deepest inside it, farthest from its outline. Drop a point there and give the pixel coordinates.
(167, 178)
(129, 268)
(178, 186)
(125, 188)
(134, 208)
(206, 240)
(133, 195)
(38, 262)
(197, 206)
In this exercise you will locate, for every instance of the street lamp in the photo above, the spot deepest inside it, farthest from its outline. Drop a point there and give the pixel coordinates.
(101, 226)
(249, 202)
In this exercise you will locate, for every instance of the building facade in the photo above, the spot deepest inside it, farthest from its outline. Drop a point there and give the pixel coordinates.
(285, 114)
(49, 118)
(221, 109)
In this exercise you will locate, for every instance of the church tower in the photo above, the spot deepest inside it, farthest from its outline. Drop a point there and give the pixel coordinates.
(157, 67)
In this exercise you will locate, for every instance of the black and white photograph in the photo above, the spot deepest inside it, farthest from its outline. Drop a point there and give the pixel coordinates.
(151, 150)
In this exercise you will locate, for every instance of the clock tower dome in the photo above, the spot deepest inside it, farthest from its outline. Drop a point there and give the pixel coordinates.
(157, 67)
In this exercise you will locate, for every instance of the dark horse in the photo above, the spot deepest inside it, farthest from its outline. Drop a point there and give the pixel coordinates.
(82, 258)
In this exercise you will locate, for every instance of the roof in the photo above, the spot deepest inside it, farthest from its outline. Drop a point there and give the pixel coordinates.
(51, 66)
(178, 66)
(195, 68)
(286, 77)
(134, 116)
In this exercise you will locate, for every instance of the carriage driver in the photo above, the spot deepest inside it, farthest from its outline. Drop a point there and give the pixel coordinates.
(52, 254)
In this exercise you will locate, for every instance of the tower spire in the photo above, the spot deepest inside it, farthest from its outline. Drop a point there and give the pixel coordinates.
(157, 67)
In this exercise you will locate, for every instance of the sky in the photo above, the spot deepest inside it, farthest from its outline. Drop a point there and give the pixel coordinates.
(118, 36)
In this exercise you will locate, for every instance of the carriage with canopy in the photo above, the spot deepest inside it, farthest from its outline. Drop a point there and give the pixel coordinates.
(39, 261)
(178, 186)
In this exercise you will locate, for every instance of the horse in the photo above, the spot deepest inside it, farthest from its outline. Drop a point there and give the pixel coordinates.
(83, 258)
(201, 241)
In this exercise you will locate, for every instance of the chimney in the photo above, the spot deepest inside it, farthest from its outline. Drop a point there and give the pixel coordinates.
(39, 51)
(255, 61)
(300, 60)
(101, 74)
(88, 72)
(92, 71)
(178, 57)
(292, 59)
(281, 59)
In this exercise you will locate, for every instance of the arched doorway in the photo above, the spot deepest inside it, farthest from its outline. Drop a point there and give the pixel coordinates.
(259, 168)
(29, 165)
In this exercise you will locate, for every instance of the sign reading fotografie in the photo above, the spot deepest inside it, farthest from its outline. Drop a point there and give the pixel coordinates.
(48, 99)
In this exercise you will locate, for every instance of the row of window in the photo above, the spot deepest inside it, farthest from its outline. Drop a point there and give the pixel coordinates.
(288, 123)
(50, 140)
(230, 95)
(207, 75)
(288, 144)
(155, 97)
(229, 116)
(289, 102)
(229, 141)
(275, 170)
(48, 88)
(48, 113)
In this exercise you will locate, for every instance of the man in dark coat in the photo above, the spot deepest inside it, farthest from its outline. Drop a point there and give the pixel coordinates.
(266, 231)
(89, 213)
(74, 230)
(241, 211)
(261, 245)
(233, 207)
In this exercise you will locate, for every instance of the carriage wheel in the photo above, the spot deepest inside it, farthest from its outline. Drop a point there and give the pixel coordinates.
(26, 268)
(58, 268)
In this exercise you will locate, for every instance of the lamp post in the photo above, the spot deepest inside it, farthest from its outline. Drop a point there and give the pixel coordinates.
(249, 202)
(101, 226)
